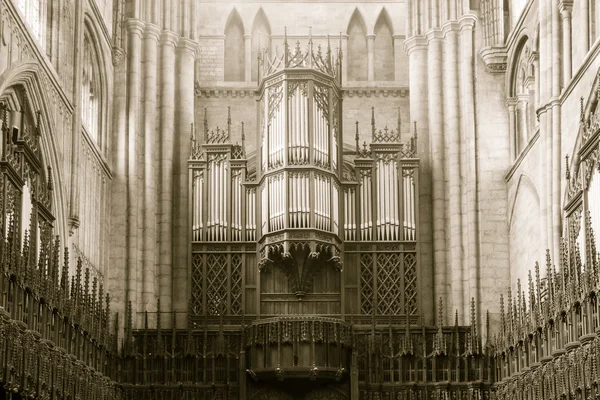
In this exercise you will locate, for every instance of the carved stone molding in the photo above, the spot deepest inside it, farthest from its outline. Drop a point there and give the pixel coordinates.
(222, 92)
(375, 92)
(117, 56)
(495, 59)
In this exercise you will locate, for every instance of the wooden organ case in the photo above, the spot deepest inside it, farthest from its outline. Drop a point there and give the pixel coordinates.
(291, 258)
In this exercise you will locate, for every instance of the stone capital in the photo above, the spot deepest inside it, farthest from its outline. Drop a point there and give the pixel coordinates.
(168, 38)
(152, 32)
(511, 102)
(135, 26)
(371, 36)
(187, 45)
(565, 7)
(467, 22)
(434, 34)
(522, 99)
(451, 27)
(415, 43)
(534, 58)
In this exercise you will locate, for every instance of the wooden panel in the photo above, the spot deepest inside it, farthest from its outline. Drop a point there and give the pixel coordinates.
(351, 305)
(250, 269)
(251, 301)
(351, 268)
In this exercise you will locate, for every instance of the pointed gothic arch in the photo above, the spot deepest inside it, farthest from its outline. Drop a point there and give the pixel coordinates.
(522, 90)
(94, 87)
(357, 47)
(235, 49)
(261, 33)
(27, 218)
(384, 48)
(27, 76)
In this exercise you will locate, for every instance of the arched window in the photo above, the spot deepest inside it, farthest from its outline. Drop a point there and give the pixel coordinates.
(26, 218)
(235, 49)
(261, 32)
(357, 48)
(521, 106)
(384, 49)
(90, 90)
(35, 13)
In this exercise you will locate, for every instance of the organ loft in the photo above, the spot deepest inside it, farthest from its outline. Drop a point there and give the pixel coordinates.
(294, 200)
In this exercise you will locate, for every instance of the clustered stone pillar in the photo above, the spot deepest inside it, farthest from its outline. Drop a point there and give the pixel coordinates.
(443, 98)
(453, 167)
(154, 109)
(134, 263)
(443, 275)
(168, 42)
(150, 144)
(416, 47)
(184, 95)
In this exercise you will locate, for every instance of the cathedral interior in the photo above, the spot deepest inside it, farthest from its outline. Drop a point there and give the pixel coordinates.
(289, 200)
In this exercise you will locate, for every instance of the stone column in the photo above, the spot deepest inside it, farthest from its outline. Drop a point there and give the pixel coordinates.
(585, 27)
(555, 178)
(416, 48)
(248, 58)
(565, 10)
(536, 65)
(436, 124)
(371, 58)
(512, 132)
(522, 127)
(168, 42)
(184, 99)
(117, 277)
(477, 273)
(134, 51)
(74, 216)
(150, 143)
(453, 167)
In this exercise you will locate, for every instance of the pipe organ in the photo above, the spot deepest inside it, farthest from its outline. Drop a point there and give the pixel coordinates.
(305, 227)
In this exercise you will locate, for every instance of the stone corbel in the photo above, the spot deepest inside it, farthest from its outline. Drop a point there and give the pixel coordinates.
(117, 56)
(73, 224)
(565, 6)
(495, 59)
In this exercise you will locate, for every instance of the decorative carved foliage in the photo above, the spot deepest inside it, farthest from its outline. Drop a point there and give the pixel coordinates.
(321, 93)
(275, 97)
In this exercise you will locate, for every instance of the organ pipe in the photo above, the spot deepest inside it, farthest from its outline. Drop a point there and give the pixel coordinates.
(300, 185)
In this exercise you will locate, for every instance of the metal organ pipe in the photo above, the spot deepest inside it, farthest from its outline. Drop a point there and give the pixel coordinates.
(197, 203)
(264, 207)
